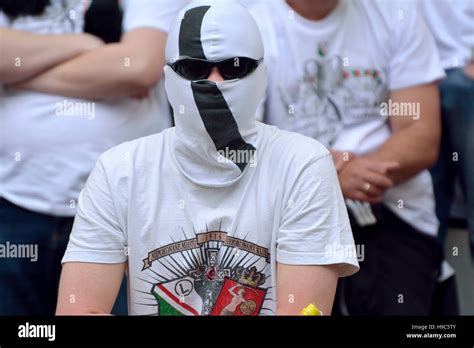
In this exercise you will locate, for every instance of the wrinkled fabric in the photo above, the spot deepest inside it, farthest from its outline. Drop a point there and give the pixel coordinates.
(214, 118)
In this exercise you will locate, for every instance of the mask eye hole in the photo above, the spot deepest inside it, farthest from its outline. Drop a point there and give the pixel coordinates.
(192, 69)
(236, 68)
(200, 69)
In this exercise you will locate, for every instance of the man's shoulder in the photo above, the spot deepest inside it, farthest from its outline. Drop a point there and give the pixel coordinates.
(266, 15)
(290, 147)
(130, 151)
(388, 13)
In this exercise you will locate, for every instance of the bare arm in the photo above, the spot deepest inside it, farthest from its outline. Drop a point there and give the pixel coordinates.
(115, 70)
(89, 288)
(24, 54)
(231, 290)
(298, 286)
(415, 142)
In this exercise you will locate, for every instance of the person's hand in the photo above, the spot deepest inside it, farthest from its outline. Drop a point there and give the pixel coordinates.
(341, 158)
(365, 179)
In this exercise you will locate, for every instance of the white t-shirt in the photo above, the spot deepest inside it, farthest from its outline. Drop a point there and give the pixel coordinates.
(452, 24)
(328, 78)
(49, 143)
(190, 248)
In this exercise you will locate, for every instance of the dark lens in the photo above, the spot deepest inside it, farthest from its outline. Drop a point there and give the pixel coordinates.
(237, 68)
(192, 69)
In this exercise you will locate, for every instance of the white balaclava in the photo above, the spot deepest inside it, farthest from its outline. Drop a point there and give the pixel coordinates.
(214, 118)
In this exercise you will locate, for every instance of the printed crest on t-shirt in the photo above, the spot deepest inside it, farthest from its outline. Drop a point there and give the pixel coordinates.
(212, 273)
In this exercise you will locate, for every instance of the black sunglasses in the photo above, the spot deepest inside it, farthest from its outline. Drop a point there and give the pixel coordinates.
(200, 69)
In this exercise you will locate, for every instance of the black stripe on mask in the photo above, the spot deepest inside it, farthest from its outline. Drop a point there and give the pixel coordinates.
(219, 121)
(190, 33)
(215, 113)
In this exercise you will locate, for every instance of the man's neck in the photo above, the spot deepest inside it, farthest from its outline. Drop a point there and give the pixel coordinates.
(313, 9)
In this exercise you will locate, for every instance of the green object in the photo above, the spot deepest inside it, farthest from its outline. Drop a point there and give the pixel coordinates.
(164, 308)
(321, 51)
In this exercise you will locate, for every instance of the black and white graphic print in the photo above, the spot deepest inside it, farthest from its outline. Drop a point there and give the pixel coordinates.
(330, 96)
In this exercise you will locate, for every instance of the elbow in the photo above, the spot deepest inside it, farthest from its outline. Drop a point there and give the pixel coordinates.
(7, 75)
(143, 83)
(428, 155)
(145, 77)
(433, 154)
(432, 159)
(3, 72)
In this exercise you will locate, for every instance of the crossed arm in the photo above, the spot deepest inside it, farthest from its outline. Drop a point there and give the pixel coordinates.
(412, 148)
(94, 288)
(81, 66)
(24, 55)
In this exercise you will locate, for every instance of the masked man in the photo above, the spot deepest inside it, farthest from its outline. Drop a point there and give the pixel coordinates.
(218, 206)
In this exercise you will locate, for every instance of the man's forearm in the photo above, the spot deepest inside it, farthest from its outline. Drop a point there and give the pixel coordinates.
(89, 288)
(300, 285)
(94, 75)
(115, 70)
(411, 149)
(414, 143)
(25, 54)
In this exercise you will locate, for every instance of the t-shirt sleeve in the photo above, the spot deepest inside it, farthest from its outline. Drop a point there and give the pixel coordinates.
(315, 228)
(97, 236)
(414, 57)
(157, 14)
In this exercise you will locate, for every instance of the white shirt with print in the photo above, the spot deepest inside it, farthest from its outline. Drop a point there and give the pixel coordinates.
(49, 143)
(199, 250)
(328, 79)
